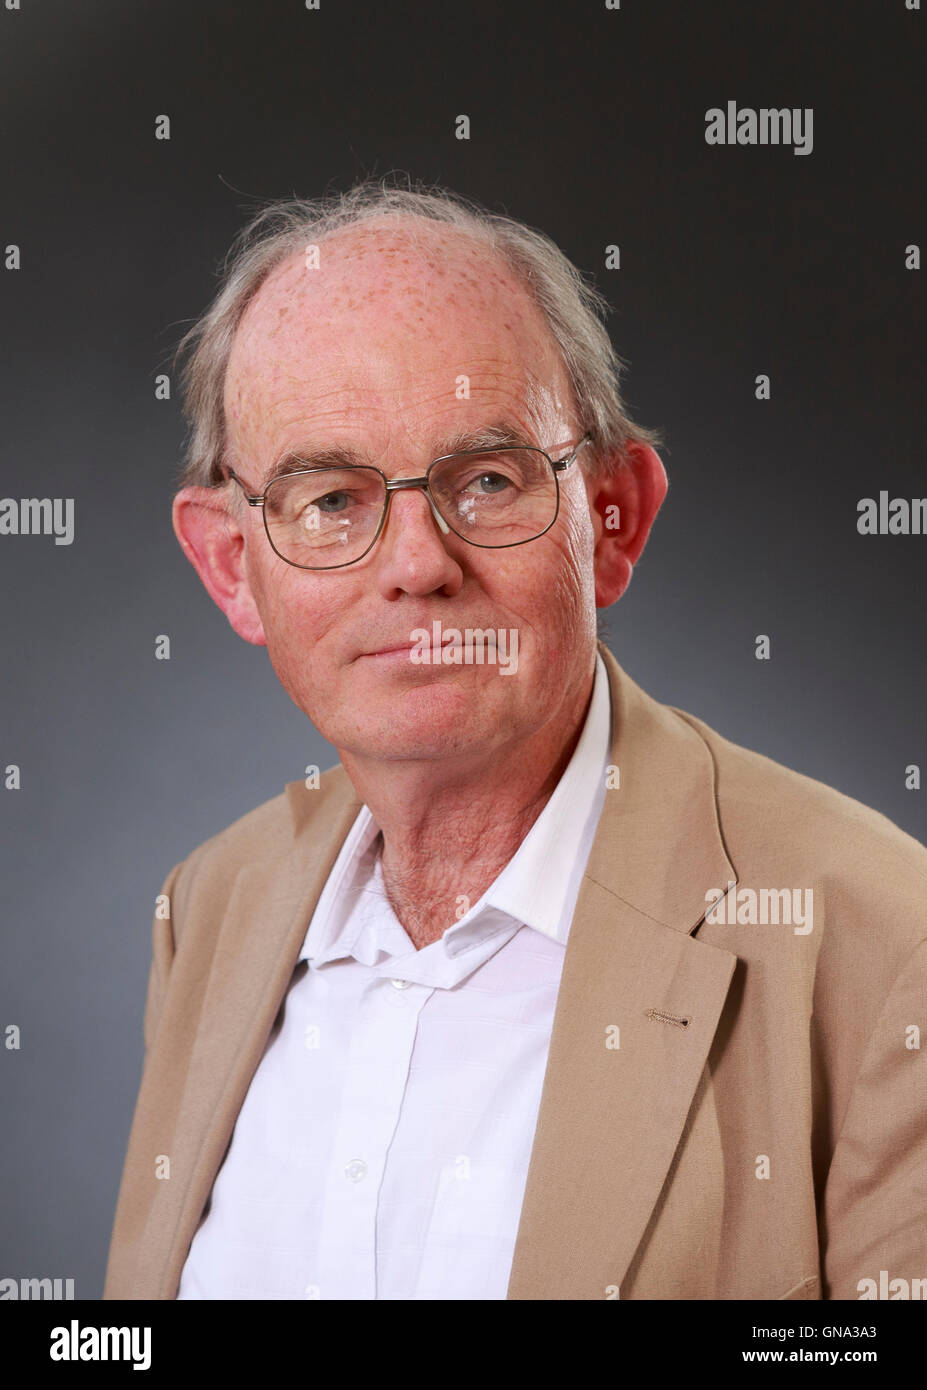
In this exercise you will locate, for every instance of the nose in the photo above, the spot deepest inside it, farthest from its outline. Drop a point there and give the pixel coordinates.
(413, 558)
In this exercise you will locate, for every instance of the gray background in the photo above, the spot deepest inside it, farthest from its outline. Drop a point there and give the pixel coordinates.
(586, 123)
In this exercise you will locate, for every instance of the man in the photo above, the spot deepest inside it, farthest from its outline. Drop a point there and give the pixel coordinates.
(547, 990)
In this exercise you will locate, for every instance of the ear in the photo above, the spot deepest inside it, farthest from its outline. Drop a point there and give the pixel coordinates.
(623, 502)
(210, 537)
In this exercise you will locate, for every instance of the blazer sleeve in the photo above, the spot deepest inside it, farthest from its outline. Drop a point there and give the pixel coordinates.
(162, 954)
(875, 1197)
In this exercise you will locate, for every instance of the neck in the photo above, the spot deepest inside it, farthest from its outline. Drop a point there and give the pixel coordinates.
(449, 829)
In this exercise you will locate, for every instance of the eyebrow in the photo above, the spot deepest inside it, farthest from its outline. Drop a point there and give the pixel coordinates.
(502, 434)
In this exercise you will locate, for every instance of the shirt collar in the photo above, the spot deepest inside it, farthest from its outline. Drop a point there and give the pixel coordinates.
(540, 883)
(334, 910)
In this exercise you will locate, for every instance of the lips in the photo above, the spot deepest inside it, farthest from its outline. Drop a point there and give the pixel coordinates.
(401, 646)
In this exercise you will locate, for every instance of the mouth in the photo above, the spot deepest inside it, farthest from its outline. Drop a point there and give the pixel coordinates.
(404, 650)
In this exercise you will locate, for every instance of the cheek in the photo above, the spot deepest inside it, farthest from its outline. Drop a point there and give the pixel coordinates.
(574, 581)
(297, 610)
(551, 590)
(576, 513)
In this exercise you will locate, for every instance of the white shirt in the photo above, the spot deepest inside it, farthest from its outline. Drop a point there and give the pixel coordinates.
(382, 1149)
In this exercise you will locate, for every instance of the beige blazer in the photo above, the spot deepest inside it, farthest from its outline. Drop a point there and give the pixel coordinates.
(730, 1109)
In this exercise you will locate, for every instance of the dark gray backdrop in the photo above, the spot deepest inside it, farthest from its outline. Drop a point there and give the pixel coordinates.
(586, 122)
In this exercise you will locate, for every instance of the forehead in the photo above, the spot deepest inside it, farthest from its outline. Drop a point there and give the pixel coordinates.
(383, 330)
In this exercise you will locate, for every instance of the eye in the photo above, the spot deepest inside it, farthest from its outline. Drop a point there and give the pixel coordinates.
(489, 484)
(331, 502)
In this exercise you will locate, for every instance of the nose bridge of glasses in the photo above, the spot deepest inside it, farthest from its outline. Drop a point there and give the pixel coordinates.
(396, 484)
(400, 484)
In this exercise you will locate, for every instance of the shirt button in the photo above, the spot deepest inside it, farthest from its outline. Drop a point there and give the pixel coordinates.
(400, 984)
(356, 1169)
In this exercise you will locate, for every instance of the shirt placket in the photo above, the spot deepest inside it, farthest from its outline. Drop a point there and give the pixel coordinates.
(376, 1071)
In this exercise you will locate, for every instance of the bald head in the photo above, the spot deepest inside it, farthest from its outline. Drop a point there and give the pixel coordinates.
(388, 332)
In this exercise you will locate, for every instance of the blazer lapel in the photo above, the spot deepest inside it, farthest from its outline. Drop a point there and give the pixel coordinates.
(639, 1003)
(263, 928)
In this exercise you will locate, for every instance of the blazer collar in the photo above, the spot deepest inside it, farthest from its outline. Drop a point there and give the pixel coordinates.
(660, 846)
(639, 1003)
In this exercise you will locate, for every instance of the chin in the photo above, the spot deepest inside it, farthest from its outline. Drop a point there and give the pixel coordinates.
(440, 717)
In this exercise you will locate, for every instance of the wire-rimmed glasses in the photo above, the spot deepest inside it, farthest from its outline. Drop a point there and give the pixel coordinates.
(327, 518)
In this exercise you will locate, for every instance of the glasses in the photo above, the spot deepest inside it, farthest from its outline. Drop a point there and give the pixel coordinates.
(326, 518)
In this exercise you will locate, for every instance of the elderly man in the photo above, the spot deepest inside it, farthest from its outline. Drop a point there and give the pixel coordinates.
(547, 990)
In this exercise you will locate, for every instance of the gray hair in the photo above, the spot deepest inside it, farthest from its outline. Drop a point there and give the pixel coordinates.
(572, 307)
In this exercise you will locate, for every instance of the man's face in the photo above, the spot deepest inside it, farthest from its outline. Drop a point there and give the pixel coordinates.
(367, 352)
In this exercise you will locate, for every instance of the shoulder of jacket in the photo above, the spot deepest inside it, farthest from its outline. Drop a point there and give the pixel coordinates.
(263, 835)
(758, 796)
